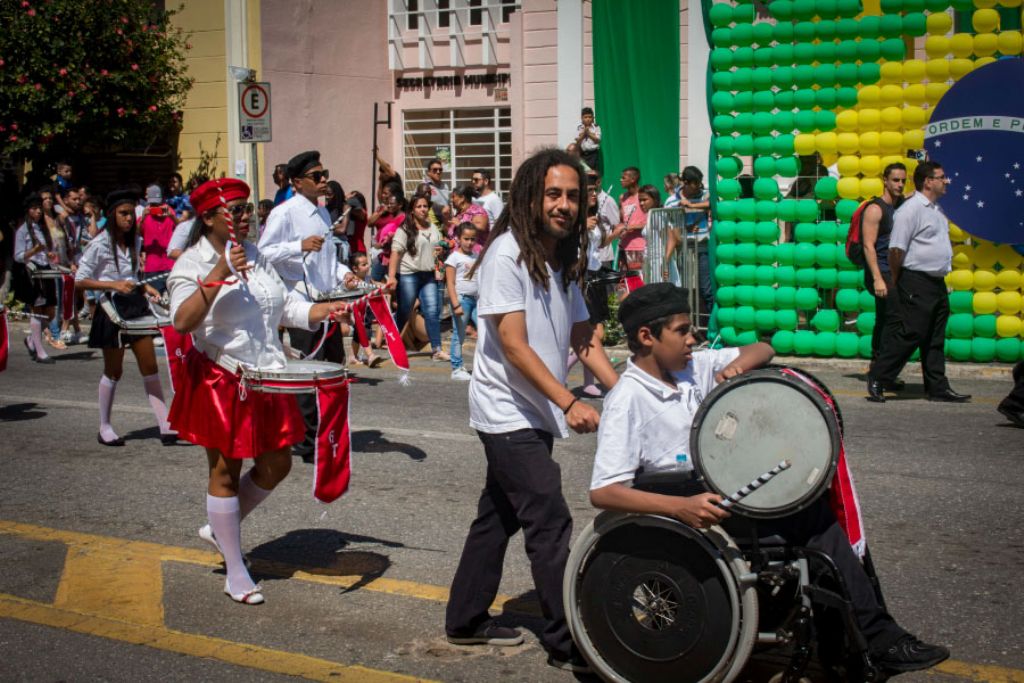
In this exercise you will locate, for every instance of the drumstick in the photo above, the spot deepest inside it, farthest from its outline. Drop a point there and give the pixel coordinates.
(232, 237)
(757, 483)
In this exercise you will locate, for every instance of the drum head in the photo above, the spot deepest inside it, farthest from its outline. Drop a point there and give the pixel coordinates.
(309, 369)
(658, 605)
(749, 424)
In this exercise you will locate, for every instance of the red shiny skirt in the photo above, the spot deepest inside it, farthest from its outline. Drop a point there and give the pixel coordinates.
(208, 411)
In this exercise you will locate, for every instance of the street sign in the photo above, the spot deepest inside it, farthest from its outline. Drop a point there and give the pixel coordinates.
(254, 112)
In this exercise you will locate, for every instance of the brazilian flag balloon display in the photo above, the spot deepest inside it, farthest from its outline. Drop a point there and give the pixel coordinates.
(809, 101)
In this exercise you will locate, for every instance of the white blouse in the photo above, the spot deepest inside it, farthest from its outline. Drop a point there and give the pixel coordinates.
(98, 261)
(23, 242)
(243, 320)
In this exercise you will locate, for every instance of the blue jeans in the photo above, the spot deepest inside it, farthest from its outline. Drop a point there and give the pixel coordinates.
(459, 328)
(707, 292)
(56, 322)
(423, 286)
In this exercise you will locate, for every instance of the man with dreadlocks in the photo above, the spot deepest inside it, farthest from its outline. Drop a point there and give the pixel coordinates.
(531, 311)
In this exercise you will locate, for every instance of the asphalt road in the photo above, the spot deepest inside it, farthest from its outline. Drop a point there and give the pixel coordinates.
(102, 576)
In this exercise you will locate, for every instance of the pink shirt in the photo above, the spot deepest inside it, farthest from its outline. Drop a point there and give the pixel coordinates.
(156, 235)
(467, 217)
(634, 217)
(387, 225)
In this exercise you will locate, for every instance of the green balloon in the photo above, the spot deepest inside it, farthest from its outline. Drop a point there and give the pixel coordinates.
(729, 167)
(787, 167)
(825, 232)
(825, 188)
(763, 122)
(743, 14)
(825, 98)
(764, 320)
(725, 296)
(845, 209)
(745, 231)
(783, 144)
(784, 254)
(726, 253)
(729, 336)
(784, 99)
(983, 350)
(806, 210)
(825, 52)
(725, 274)
(847, 74)
(803, 342)
(804, 255)
(825, 75)
(720, 14)
(914, 24)
(746, 209)
(764, 102)
(806, 277)
(743, 35)
(959, 349)
(764, 167)
(1007, 350)
(726, 316)
(826, 8)
(937, 5)
(826, 278)
(746, 253)
(729, 188)
(846, 97)
(807, 298)
(847, 344)
(721, 59)
(721, 37)
(803, 10)
(744, 295)
(865, 322)
(825, 29)
(782, 78)
(893, 50)
(764, 297)
(804, 98)
(783, 53)
(766, 232)
(803, 53)
(849, 8)
(722, 102)
(847, 300)
(743, 56)
(744, 123)
(766, 254)
(786, 207)
(841, 260)
(766, 210)
(804, 232)
(985, 326)
(763, 33)
(782, 341)
(804, 76)
(961, 302)
(785, 298)
(845, 29)
(744, 144)
(870, 72)
(748, 337)
(826, 320)
(851, 279)
(765, 273)
(804, 32)
(824, 120)
(864, 347)
(761, 78)
(764, 56)
(766, 188)
(723, 124)
(745, 317)
(869, 50)
(746, 274)
(742, 79)
(867, 301)
(846, 51)
(725, 231)
(743, 101)
(727, 211)
(725, 145)
(890, 25)
(781, 10)
(763, 145)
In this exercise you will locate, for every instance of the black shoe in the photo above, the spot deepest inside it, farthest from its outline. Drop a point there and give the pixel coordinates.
(910, 654)
(573, 662)
(489, 634)
(949, 396)
(895, 385)
(875, 391)
(45, 360)
(1014, 416)
(169, 439)
(31, 351)
(116, 442)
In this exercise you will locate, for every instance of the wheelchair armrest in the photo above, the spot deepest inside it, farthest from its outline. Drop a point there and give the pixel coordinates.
(670, 483)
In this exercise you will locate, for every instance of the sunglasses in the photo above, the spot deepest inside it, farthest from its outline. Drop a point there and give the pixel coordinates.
(237, 212)
(434, 169)
(317, 176)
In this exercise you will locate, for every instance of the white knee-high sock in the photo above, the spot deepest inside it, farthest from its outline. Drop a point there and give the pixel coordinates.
(107, 389)
(35, 326)
(225, 521)
(250, 494)
(588, 376)
(155, 393)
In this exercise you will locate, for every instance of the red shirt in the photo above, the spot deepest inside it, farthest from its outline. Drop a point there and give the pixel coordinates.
(156, 234)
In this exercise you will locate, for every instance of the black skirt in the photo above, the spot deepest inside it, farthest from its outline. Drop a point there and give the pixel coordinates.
(105, 334)
(29, 290)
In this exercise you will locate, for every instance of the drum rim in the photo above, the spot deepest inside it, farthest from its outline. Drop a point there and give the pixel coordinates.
(107, 304)
(773, 374)
(715, 540)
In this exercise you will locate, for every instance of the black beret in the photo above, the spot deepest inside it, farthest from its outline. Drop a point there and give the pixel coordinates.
(300, 163)
(123, 196)
(34, 199)
(651, 302)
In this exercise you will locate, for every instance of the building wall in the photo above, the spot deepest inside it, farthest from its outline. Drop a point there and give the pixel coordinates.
(539, 91)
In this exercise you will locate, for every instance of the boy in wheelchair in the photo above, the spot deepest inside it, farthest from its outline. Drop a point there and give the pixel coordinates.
(645, 427)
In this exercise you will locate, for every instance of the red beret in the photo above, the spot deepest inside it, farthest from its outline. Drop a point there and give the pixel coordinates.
(208, 195)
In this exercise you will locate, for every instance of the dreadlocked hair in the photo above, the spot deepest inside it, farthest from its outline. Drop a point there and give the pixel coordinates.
(524, 217)
(409, 226)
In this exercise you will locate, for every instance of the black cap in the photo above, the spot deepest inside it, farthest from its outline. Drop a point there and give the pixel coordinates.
(300, 163)
(651, 302)
(34, 199)
(123, 196)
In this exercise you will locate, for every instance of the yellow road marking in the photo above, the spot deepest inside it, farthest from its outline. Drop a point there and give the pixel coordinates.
(114, 582)
(979, 672)
(161, 638)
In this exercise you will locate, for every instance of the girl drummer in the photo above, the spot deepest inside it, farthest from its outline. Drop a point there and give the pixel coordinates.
(110, 264)
(33, 244)
(233, 302)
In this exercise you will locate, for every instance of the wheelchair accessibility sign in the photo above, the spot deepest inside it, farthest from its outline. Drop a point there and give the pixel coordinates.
(254, 112)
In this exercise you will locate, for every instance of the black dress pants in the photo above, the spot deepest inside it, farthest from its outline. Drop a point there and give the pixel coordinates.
(1015, 399)
(919, 323)
(882, 305)
(523, 491)
(332, 351)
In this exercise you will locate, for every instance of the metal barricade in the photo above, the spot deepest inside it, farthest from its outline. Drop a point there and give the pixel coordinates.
(682, 265)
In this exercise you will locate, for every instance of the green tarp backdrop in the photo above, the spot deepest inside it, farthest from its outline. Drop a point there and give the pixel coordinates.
(636, 87)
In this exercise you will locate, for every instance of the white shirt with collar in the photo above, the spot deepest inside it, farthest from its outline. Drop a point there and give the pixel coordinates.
(281, 245)
(23, 242)
(921, 230)
(98, 262)
(179, 238)
(243, 320)
(492, 204)
(645, 424)
(608, 217)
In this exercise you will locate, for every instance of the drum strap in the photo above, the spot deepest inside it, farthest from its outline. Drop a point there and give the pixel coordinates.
(67, 301)
(332, 469)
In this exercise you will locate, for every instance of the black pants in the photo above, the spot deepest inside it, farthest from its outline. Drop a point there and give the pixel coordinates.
(332, 351)
(919, 323)
(523, 491)
(1015, 399)
(816, 527)
(592, 158)
(882, 305)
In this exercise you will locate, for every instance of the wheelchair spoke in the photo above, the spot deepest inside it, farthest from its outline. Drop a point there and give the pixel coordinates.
(655, 605)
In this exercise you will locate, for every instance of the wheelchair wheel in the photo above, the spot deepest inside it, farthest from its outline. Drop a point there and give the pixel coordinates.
(650, 599)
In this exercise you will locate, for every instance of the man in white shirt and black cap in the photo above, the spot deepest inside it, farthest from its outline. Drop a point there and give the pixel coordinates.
(293, 242)
(920, 256)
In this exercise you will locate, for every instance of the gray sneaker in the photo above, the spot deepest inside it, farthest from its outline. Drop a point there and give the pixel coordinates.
(489, 634)
(460, 375)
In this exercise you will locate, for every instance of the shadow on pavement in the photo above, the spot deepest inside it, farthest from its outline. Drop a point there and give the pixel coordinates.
(75, 356)
(374, 441)
(20, 412)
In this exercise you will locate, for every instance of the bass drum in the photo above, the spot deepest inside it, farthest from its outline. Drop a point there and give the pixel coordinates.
(749, 423)
(649, 599)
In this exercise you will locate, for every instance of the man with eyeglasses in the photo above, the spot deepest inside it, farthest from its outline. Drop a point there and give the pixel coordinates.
(486, 196)
(439, 191)
(920, 256)
(293, 243)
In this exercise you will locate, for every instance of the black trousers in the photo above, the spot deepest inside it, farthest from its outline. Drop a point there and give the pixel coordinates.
(332, 351)
(816, 527)
(1015, 399)
(592, 158)
(523, 491)
(882, 305)
(917, 321)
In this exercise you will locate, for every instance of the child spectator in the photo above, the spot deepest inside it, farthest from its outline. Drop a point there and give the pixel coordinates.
(360, 265)
(588, 137)
(462, 293)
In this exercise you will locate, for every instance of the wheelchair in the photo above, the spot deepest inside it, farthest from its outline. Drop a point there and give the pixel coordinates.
(651, 599)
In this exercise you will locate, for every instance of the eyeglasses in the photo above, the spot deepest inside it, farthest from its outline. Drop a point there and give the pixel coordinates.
(237, 212)
(317, 176)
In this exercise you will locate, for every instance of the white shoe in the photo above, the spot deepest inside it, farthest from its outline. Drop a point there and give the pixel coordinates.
(460, 375)
(252, 597)
(206, 533)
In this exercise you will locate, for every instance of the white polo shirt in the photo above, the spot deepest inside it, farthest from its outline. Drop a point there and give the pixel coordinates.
(501, 399)
(645, 424)
(921, 231)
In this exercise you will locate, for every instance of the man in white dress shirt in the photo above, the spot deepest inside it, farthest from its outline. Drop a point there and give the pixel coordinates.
(487, 197)
(293, 242)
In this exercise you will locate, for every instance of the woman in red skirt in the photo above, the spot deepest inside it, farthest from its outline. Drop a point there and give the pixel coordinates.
(232, 301)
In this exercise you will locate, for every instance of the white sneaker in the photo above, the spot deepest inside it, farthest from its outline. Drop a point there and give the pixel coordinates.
(460, 375)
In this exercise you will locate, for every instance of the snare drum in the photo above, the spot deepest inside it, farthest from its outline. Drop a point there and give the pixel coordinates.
(297, 377)
(751, 422)
(53, 272)
(339, 294)
(139, 325)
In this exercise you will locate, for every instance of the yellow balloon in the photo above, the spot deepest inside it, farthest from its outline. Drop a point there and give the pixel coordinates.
(1008, 303)
(956, 235)
(960, 280)
(892, 118)
(1008, 325)
(984, 302)
(847, 143)
(913, 70)
(869, 95)
(984, 280)
(985, 20)
(985, 4)
(891, 95)
(958, 68)
(933, 92)
(913, 117)
(871, 187)
(985, 44)
(985, 254)
(982, 61)
(803, 144)
(891, 142)
(936, 47)
(849, 164)
(913, 139)
(939, 23)
(1010, 43)
(911, 164)
(963, 256)
(961, 45)
(1008, 279)
(825, 142)
(870, 164)
(1008, 257)
(848, 188)
(915, 94)
(892, 72)
(869, 119)
(869, 142)
(846, 120)
(937, 69)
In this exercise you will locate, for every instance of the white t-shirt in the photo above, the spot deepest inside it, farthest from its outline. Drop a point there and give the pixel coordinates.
(594, 249)
(645, 424)
(492, 205)
(501, 399)
(179, 238)
(462, 263)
